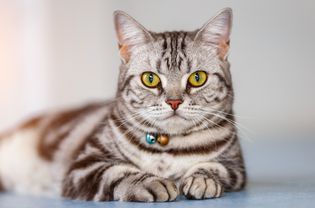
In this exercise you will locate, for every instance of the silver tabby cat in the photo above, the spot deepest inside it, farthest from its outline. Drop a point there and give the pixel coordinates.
(175, 85)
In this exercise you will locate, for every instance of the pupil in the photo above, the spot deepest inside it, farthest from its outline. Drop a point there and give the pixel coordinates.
(197, 77)
(151, 78)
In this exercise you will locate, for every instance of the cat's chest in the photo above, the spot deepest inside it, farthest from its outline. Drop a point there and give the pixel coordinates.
(179, 155)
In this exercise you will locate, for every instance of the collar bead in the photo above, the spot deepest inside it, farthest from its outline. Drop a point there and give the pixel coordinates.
(163, 140)
(151, 138)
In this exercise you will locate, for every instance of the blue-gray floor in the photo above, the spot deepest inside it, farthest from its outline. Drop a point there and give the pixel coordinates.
(281, 174)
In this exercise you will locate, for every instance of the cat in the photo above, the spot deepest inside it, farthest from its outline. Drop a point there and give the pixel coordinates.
(169, 131)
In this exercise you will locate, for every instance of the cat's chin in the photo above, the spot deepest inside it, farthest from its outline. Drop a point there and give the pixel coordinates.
(174, 125)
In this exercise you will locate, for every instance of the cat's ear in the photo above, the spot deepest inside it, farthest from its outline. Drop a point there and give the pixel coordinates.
(217, 32)
(130, 34)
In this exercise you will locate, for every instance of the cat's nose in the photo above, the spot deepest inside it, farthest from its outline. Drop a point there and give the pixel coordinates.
(174, 103)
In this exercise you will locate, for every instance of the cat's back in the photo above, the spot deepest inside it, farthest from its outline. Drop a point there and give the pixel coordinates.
(28, 151)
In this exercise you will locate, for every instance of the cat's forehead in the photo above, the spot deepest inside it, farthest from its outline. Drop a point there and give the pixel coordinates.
(174, 49)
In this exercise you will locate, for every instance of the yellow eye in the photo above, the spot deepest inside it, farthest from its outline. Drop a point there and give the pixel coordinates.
(150, 79)
(198, 78)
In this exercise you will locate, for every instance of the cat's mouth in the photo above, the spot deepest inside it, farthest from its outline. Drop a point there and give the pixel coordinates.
(175, 115)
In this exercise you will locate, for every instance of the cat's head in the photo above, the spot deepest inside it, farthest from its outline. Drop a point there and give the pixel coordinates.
(174, 81)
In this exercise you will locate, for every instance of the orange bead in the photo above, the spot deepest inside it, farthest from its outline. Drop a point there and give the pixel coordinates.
(163, 140)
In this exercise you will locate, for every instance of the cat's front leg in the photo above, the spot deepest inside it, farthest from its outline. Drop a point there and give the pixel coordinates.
(108, 181)
(209, 180)
(146, 187)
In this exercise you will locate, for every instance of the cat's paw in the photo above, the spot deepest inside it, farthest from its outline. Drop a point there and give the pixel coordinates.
(151, 189)
(201, 187)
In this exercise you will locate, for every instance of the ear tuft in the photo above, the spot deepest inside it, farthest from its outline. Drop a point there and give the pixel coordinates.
(217, 32)
(130, 34)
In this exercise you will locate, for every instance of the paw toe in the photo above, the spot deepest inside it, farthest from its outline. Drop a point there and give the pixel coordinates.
(201, 188)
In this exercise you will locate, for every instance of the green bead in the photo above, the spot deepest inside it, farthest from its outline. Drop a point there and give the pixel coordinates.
(150, 138)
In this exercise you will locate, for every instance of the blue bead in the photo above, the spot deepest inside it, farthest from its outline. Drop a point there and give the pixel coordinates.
(150, 138)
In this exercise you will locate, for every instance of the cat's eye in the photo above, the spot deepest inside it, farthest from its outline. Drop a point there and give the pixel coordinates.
(197, 79)
(150, 79)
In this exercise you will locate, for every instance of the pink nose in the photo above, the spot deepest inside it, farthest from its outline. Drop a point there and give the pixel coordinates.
(174, 103)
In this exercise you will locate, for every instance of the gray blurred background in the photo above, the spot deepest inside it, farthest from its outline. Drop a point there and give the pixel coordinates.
(61, 53)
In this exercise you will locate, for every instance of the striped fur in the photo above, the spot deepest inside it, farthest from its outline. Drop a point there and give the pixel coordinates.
(98, 152)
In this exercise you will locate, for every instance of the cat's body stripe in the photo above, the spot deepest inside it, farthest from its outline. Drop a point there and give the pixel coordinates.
(59, 127)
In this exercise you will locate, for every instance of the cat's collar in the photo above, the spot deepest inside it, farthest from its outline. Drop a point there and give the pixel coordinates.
(152, 138)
